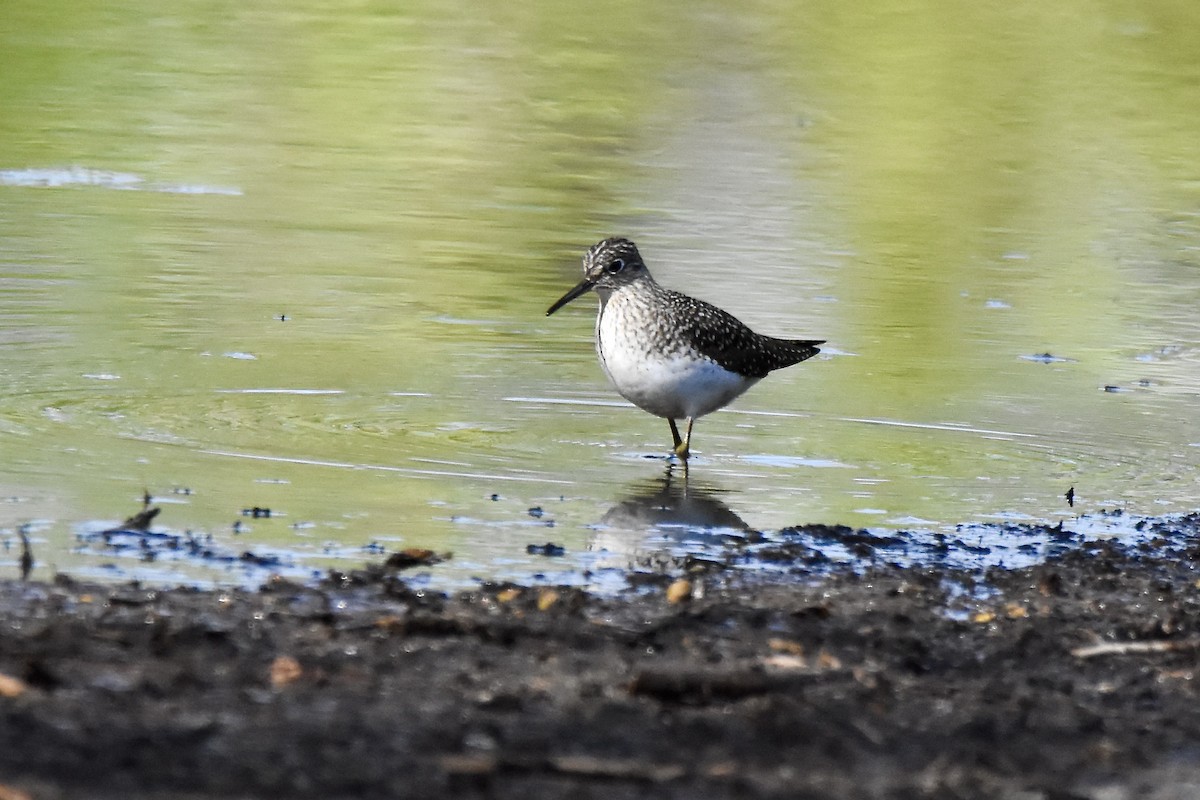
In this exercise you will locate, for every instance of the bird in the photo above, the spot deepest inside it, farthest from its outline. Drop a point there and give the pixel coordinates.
(668, 353)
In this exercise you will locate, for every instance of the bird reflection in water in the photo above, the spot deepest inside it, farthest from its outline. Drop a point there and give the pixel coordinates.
(658, 515)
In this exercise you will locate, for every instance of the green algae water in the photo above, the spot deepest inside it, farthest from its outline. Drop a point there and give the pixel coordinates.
(297, 258)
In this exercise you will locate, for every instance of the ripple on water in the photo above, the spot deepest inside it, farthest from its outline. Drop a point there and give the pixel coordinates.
(66, 177)
(795, 461)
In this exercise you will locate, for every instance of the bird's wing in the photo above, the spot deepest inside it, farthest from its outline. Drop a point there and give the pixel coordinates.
(726, 340)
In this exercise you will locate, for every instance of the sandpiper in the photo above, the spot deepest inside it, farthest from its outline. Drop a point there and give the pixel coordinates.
(669, 354)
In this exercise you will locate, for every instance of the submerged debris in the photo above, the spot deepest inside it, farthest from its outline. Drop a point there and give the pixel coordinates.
(26, 552)
(1047, 358)
(549, 549)
(415, 557)
(134, 537)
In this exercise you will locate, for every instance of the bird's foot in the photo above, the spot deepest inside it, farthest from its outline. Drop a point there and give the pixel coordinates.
(682, 451)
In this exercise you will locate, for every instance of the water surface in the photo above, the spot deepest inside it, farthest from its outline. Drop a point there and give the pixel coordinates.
(298, 257)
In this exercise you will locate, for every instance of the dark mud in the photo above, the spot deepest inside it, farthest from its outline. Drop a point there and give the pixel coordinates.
(744, 675)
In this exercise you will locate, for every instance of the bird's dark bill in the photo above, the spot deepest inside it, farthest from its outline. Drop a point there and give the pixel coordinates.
(580, 288)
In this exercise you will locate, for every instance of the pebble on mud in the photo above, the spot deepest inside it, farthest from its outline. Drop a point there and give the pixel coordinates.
(508, 595)
(680, 591)
(285, 670)
(546, 598)
(12, 687)
(786, 646)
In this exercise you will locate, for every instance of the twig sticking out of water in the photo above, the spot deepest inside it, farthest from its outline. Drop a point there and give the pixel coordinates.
(26, 552)
(141, 520)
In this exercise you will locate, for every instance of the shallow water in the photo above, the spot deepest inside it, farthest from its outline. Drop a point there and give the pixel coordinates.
(298, 258)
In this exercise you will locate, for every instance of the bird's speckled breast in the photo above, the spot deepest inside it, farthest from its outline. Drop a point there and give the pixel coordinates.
(655, 370)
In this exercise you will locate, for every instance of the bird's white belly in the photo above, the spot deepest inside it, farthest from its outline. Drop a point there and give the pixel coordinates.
(671, 385)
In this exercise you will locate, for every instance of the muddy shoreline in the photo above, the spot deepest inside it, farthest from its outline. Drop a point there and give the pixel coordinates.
(1073, 678)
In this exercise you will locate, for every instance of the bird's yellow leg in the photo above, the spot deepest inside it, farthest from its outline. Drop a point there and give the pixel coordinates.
(678, 440)
(683, 447)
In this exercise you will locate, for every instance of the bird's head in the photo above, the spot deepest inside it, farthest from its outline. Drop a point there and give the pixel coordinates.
(607, 266)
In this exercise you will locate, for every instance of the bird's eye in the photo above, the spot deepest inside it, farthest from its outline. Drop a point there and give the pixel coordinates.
(615, 266)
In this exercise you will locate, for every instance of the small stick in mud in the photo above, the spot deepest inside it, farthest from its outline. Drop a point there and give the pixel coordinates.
(1128, 648)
